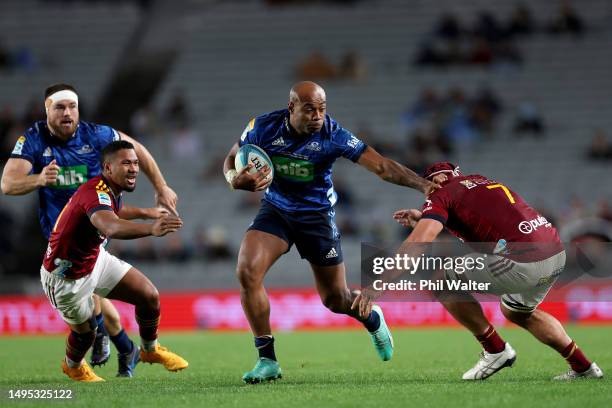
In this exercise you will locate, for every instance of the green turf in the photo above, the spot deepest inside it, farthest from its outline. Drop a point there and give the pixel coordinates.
(335, 369)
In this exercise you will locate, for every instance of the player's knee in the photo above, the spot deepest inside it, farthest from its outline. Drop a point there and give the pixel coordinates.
(336, 302)
(518, 318)
(248, 276)
(151, 298)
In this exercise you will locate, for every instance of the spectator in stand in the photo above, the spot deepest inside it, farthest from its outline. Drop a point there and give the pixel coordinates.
(488, 28)
(186, 144)
(449, 27)
(175, 249)
(316, 67)
(144, 123)
(352, 66)
(178, 111)
(600, 147)
(568, 21)
(425, 107)
(211, 244)
(457, 126)
(433, 53)
(521, 23)
(485, 109)
(506, 55)
(145, 250)
(481, 52)
(528, 121)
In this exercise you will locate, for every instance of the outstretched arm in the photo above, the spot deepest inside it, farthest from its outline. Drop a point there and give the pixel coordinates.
(393, 172)
(132, 213)
(164, 195)
(17, 180)
(112, 226)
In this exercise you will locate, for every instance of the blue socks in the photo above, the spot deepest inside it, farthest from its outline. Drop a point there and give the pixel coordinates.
(122, 342)
(100, 322)
(372, 323)
(265, 347)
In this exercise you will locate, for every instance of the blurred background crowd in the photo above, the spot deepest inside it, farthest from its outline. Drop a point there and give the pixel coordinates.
(516, 91)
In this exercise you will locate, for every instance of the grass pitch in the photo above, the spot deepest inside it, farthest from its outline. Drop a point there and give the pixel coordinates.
(321, 369)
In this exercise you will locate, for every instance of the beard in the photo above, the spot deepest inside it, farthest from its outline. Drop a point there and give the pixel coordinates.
(63, 131)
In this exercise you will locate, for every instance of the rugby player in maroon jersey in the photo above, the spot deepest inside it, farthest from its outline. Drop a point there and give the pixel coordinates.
(524, 258)
(74, 268)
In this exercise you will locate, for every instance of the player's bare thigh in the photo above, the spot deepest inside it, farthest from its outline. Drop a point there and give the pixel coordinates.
(135, 288)
(258, 252)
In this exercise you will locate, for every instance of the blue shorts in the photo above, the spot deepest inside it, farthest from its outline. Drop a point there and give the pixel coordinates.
(314, 233)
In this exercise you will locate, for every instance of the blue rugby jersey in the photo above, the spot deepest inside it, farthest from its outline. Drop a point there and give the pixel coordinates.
(302, 165)
(78, 159)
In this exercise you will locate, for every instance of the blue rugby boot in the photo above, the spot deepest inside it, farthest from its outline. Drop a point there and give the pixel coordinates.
(265, 370)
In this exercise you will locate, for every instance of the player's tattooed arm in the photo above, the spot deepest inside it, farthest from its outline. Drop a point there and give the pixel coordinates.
(393, 172)
(112, 226)
(133, 213)
(164, 195)
(17, 180)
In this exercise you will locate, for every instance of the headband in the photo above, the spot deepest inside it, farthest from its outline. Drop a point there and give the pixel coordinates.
(65, 94)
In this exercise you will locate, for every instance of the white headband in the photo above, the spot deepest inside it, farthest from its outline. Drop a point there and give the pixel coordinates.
(63, 95)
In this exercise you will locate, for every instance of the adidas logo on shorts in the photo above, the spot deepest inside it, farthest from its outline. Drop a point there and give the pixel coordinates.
(278, 142)
(332, 253)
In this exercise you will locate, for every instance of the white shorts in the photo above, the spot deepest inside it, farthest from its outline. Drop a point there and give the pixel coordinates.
(73, 297)
(522, 286)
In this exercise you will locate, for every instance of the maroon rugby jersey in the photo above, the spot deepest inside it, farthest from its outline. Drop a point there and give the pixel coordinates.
(74, 243)
(477, 209)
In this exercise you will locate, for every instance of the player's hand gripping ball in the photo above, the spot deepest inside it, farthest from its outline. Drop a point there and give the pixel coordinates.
(257, 157)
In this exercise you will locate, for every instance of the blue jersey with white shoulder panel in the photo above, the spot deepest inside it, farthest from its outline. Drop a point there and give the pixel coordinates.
(302, 165)
(78, 159)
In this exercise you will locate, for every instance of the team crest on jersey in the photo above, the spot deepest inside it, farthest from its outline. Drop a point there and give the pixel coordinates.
(85, 149)
(314, 146)
(47, 152)
(468, 184)
(19, 145)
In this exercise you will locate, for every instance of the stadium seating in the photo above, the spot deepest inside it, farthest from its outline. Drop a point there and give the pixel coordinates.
(233, 65)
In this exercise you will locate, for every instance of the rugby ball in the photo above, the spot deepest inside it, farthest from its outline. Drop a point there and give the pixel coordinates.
(249, 153)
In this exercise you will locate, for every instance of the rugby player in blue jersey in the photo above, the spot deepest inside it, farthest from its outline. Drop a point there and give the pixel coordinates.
(298, 208)
(55, 157)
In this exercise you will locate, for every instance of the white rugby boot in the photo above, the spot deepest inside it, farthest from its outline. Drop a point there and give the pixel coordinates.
(593, 372)
(489, 363)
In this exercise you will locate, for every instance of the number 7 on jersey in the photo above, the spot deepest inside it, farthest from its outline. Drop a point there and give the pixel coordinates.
(508, 194)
